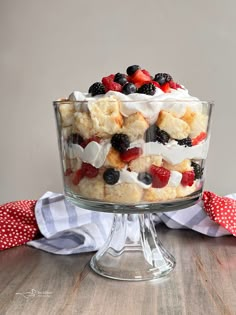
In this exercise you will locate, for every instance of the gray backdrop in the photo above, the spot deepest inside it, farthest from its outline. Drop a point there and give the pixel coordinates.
(50, 48)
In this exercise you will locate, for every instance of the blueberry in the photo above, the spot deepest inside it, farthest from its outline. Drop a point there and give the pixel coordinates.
(111, 176)
(145, 178)
(129, 88)
(132, 69)
(120, 78)
(151, 133)
(160, 79)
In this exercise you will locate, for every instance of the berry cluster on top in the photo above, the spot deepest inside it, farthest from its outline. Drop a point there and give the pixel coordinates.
(136, 80)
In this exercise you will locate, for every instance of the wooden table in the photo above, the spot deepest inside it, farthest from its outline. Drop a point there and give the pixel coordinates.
(203, 282)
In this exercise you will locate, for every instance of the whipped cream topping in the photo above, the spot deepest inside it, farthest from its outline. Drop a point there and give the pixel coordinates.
(131, 177)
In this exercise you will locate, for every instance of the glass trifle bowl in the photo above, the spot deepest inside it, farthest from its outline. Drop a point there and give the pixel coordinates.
(133, 155)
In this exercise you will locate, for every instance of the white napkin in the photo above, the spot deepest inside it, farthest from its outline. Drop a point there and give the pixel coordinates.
(68, 229)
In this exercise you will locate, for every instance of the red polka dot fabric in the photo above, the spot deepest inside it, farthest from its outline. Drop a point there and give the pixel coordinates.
(221, 210)
(17, 223)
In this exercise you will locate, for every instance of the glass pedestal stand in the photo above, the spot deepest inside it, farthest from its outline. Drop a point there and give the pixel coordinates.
(133, 251)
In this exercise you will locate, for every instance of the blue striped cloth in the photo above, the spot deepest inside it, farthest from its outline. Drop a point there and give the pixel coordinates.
(68, 229)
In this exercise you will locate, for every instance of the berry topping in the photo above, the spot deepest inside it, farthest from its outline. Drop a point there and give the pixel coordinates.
(156, 84)
(120, 78)
(120, 142)
(198, 170)
(187, 142)
(139, 78)
(166, 87)
(111, 176)
(199, 138)
(173, 85)
(110, 85)
(145, 178)
(162, 78)
(129, 88)
(131, 154)
(132, 69)
(96, 89)
(89, 170)
(160, 176)
(147, 88)
(75, 138)
(162, 136)
(77, 176)
(188, 178)
(86, 142)
(147, 73)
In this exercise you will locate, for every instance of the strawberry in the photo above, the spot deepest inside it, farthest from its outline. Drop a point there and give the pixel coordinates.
(131, 154)
(188, 178)
(86, 142)
(89, 170)
(77, 176)
(166, 87)
(140, 77)
(160, 176)
(156, 84)
(178, 86)
(202, 135)
(173, 85)
(146, 72)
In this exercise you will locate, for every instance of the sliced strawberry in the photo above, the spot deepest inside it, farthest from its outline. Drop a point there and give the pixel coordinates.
(68, 171)
(140, 77)
(87, 141)
(160, 176)
(89, 170)
(131, 154)
(77, 176)
(172, 85)
(178, 86)
(156, 84)
(166, 87)
(146, 72)
(188, 178)
(202, 135)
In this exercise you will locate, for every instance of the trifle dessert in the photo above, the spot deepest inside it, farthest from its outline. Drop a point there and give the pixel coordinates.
(133, 138)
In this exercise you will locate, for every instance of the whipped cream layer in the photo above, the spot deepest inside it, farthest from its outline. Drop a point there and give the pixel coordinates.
(148, 105)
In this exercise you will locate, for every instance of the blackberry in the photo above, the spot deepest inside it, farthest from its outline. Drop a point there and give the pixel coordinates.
(97, 88)
(120, 78)
(147, 88)
(162, 136)
(198, 170)
(145, 178)
(187, 142)
(151, 134)
(111, 176)
(129, 88)
(132, 69)
(162, 78)
(75, 138)
(120, 142)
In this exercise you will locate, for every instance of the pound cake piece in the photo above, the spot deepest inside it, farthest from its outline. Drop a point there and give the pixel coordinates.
(123, 193)
(159, 194)
(135, 126)
(92, 188)
(196, 121)
(67, 114)
(113, 159)
(143, 163)
(106, 116)
(177, 128)
(182, 167)
(84, 125)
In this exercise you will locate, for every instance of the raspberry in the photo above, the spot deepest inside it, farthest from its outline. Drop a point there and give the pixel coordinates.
(148, 88)
(198, 170)
(89, 170)
(96, 89)
(160, 176)
(188, 178)
(120, 142)
(111, 176)
(187, 142)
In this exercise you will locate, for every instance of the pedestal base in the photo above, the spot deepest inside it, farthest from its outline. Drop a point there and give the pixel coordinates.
(133, 251)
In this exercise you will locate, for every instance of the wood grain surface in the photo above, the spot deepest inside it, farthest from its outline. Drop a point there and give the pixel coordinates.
(203, 282)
